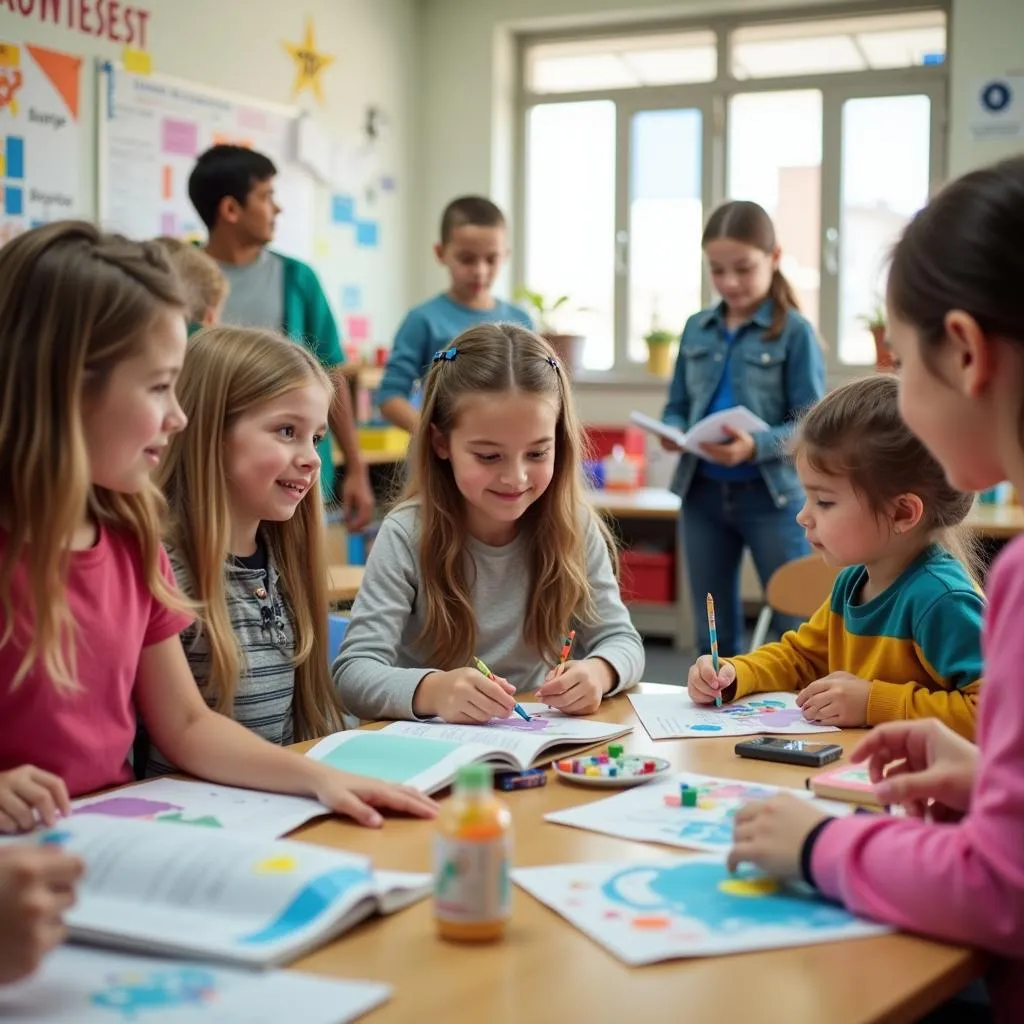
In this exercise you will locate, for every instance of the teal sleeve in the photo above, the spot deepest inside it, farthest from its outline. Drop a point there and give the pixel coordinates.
(948, 634)
(410, 356)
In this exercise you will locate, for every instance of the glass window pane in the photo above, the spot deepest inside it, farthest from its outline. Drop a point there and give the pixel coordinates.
(900, 40)
(665, 221)
(624, 63)
(878, 197)
(570, 218)
(781, 170)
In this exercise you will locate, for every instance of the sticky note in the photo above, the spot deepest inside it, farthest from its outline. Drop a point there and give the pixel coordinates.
(343, 209)
(138, 62)
(351, 296)
(10, 55)
(14, 201)
(366, 233)
(357, 328)
(14, 160)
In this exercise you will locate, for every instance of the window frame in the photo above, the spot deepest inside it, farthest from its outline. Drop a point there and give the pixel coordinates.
(712, 98)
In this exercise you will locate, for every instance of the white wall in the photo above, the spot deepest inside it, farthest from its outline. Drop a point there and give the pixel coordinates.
(236, 45)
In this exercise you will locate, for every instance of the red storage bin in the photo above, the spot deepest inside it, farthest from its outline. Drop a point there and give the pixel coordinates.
(601, 441)
(647, 576)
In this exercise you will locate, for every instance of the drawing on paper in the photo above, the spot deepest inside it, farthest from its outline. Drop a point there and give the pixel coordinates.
(517, 724)
(768, 714)
(143, 809)
(133, 993)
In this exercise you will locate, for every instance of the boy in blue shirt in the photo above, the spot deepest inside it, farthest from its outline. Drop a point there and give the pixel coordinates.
(473, 247)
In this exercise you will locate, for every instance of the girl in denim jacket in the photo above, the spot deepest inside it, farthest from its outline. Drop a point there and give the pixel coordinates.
(754, 349)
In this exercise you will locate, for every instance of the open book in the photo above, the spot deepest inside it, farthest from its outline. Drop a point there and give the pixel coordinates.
(426, 755)
(215, 895)
(710, 430)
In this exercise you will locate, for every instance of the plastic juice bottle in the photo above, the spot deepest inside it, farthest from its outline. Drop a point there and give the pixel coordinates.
(472, 853)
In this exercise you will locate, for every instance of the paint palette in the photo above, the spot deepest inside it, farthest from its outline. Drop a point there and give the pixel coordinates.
(611, 769)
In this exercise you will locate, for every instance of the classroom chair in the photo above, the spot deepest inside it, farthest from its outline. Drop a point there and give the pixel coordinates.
(796, 588)
(337, 625)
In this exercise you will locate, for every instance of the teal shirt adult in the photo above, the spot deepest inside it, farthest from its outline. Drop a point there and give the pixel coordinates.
(429, 327)
(278, 292)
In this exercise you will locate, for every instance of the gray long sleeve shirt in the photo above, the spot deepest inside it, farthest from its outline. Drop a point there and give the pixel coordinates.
(378, 669)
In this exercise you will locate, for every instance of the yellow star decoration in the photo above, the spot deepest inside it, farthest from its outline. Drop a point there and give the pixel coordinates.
(309, 63)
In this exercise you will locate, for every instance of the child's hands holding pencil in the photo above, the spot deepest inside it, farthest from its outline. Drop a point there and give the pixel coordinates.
(704, 684)
(464, 696)
(576, 687)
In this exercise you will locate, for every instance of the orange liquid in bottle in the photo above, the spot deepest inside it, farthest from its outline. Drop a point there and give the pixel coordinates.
(472, 854)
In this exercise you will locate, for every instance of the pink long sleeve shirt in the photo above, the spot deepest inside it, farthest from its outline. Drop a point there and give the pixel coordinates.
(961, 882)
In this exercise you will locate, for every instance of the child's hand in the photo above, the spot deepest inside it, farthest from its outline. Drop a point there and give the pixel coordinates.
(28, 791)
(770, 835)
(37, 884)
(837, 699)
(669, 445)
(933, 771)
(356, 797)
(702, 683)
(465, 696)
(576, 688)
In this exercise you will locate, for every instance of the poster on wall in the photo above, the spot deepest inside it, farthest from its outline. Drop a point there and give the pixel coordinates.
(152, 128)
(39, 137)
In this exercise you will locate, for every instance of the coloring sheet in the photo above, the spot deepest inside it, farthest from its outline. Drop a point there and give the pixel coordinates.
(682, 907)
(668, 716)
(653, 813)
(205, 805)
(76, 985)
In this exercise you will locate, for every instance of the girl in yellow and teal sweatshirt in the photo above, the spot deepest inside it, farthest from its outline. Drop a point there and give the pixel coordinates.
(900, 635)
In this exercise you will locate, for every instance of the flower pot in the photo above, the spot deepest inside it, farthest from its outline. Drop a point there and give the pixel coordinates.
(659, 360)
(569, 349)
(883, 353)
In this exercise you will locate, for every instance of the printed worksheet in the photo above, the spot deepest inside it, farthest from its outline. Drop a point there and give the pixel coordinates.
(668, 716)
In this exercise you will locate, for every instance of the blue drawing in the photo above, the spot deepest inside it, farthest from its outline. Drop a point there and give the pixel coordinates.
(707, 893)
(55, 837)
(717, 832)
(130, 993)
(706, 728)
(315, 897)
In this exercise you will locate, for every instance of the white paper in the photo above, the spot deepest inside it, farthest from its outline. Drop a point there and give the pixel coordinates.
(93, 986)
(211, 894)
(710, 430)
(675, 716)
(205, 805)
(684, 907)
(643, 814)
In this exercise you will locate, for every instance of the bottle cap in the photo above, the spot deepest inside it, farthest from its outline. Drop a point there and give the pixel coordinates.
(475, 776)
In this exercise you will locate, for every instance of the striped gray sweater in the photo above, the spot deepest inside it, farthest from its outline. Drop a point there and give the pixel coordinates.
(262, 620)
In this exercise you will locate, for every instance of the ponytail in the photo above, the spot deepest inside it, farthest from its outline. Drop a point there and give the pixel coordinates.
(782, 295)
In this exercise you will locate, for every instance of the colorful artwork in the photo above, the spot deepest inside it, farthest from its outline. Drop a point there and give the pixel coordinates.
(133, 992)
(656, 813)
(643, 913)
(668, 716)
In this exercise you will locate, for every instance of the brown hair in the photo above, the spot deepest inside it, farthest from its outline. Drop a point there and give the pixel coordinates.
(496, 359)
(229, 371)
(204, 284)
(74, 303)
(746, 222)
(475, 210)
(856, 432)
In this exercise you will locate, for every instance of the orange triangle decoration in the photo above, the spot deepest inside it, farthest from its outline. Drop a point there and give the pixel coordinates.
(62, 70)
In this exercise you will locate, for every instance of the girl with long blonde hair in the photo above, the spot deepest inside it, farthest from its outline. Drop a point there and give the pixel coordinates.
(246, 532)
(493, 554)
(92, 340)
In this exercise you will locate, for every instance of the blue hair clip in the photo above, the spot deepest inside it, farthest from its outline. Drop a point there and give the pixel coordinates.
(446, 354)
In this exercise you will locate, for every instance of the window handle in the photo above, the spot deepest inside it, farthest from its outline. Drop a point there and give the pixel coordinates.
(830, 255)
(621, 253)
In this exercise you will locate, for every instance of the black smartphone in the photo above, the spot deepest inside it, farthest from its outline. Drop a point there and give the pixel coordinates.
(775, 748)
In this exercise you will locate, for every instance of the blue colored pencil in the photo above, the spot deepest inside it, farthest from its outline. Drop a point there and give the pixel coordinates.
(713, 630)
(517, 708)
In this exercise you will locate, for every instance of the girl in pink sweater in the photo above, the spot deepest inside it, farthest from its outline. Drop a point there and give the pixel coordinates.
(954, 868)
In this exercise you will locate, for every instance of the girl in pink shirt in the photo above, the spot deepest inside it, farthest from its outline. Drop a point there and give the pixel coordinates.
(954, 868)
(92, 337)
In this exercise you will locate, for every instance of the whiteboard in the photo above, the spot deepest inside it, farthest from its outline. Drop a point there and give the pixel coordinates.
(151, 128)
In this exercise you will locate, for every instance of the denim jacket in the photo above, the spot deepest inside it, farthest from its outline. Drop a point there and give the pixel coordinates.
(777, 380)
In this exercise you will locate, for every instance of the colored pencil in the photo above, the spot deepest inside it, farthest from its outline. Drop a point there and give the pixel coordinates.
(713, 630)
(566, 648)
(517, 708)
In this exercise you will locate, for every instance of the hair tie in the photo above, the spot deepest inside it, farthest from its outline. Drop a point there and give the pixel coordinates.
(552, 362)
(445, 354)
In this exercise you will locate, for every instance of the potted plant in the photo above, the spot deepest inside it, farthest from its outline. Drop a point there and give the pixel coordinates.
(568, 347)
(875, 323)
(659, 350)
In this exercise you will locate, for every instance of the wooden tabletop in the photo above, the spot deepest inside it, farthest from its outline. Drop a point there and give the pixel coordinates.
(344, 581)
(998, 522)
(547, 970)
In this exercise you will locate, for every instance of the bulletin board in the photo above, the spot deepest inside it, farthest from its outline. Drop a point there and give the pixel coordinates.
(151, 128)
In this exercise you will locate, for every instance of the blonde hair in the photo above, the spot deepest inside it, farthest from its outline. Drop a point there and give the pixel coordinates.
(74, 303)
(857, 432)
(497, 359)
(228, 372)
(204, 284)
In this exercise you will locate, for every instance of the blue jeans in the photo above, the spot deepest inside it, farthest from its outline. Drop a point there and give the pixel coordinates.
(718, 521)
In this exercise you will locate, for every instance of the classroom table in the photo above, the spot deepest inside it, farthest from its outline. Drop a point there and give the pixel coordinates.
(548, 971)
(343, 582)
(996, 522)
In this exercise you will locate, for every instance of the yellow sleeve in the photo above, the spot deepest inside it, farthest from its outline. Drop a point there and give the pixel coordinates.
(896, 702)
(799, 658)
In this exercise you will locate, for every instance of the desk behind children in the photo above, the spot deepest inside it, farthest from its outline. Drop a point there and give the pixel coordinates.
(546, 970)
